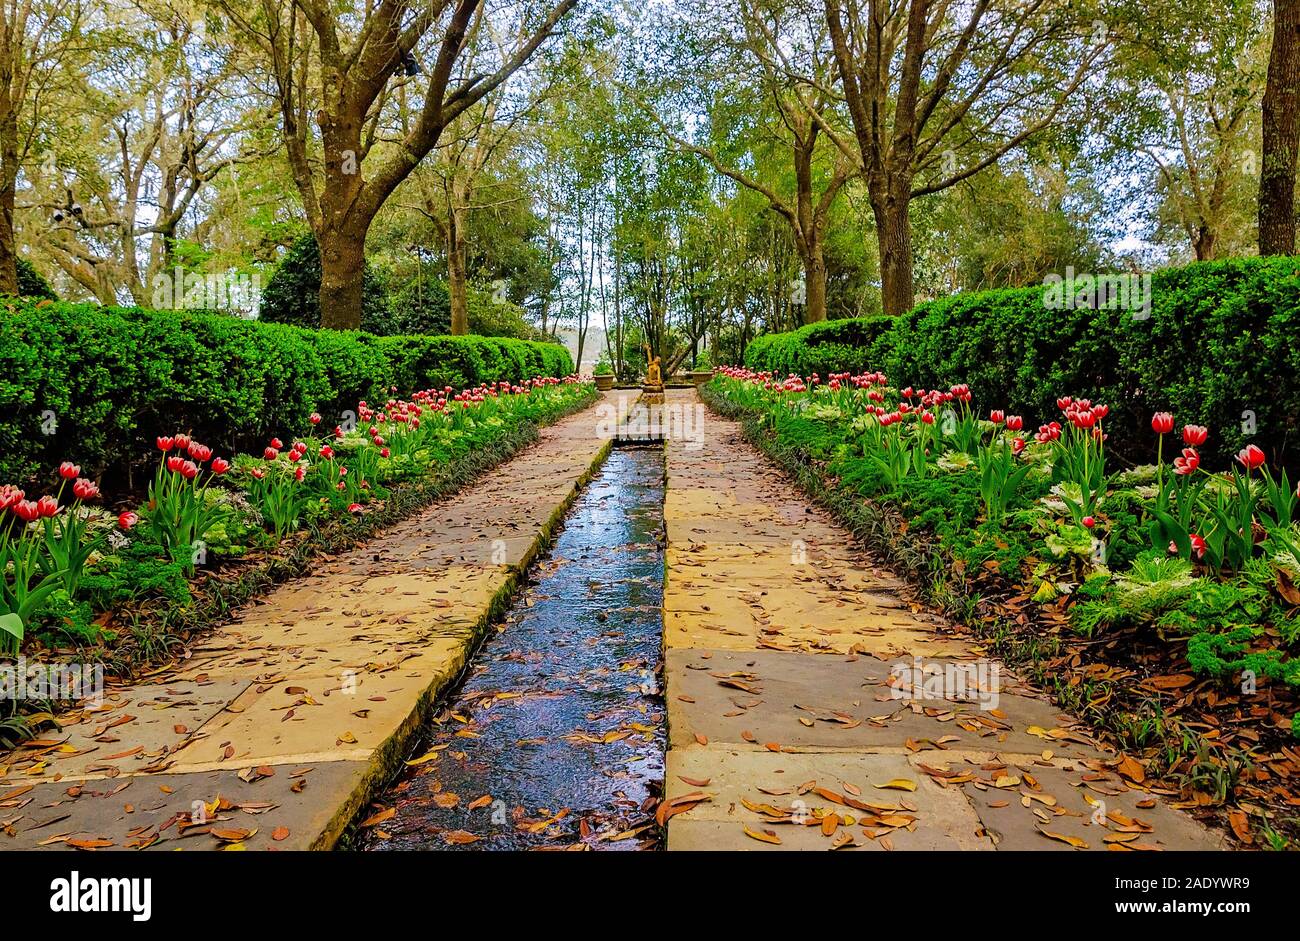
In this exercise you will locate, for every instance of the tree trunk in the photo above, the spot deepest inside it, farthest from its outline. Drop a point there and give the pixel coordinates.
(8, 247)
(814, 273)
(8, 185)
(1281, 106)
(342, 278)
(1203, 244)
(457, 281)
(894, 238)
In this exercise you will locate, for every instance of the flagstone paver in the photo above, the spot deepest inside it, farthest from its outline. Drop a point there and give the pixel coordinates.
(284, 719)
(781, 638)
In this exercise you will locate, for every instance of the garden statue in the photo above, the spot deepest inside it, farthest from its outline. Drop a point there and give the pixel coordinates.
(654, 381)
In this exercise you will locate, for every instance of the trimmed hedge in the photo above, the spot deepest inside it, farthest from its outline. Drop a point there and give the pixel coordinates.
(112, 379)
(1218, 349)
(855, 345)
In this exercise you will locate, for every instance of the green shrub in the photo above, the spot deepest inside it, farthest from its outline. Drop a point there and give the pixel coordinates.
(31, 283)
(1217, 350)
(857, 345)
(104, 382)
(292, 295)
(421, 305)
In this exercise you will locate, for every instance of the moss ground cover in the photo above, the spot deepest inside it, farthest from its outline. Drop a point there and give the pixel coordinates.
(1158, 601)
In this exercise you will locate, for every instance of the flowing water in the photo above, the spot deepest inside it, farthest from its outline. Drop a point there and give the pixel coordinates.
(555, 738)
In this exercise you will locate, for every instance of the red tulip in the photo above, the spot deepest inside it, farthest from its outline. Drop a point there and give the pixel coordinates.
(996, 416)
(1198, 546)
(1015, 422)
(1017, 445)
(200, 452)
(181, 441)
(27, 510)
(299, 473)
(326, 452)
(1250, 457)
(165, 444)
(277, 444)
(1088, 522)
(175, 463)
(84, 490)
(9, 495)
(270, 454)
(189, 470)
(258, 473)
(354, 508)
(220, 465)
(1162, 423)
(128, 519)
(47, 506)
(1188, 463)
(384, 453)
(1195, 435)
(314, 418)
(69, 471)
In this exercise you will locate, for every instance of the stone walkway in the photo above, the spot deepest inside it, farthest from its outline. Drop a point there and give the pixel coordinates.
(788, 729)
(284, 720)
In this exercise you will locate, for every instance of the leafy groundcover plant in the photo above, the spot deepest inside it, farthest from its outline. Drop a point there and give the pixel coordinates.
(1159, 602)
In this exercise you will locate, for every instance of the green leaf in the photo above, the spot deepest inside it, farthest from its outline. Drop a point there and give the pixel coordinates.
(12, 624)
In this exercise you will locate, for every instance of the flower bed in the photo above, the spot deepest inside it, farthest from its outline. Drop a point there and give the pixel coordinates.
(1216, 346)
(93, 385)
(74, 575)
(1160, 601)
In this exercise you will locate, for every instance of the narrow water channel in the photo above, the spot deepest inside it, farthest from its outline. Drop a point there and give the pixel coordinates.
(555, 738)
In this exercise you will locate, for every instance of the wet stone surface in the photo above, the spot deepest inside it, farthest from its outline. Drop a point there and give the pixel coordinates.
(556, 737)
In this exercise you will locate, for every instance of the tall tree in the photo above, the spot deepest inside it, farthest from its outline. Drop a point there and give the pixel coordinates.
(772, 122)
(1277, 178)
(37, 37)
(146, 134)
(343, 61)
(939, 91)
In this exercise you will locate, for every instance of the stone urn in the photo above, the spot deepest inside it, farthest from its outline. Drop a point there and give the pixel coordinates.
(605, 382)
(701, 376)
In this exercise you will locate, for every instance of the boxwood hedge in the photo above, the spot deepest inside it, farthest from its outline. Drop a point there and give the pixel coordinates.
(1217, 349)
(95, 385)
